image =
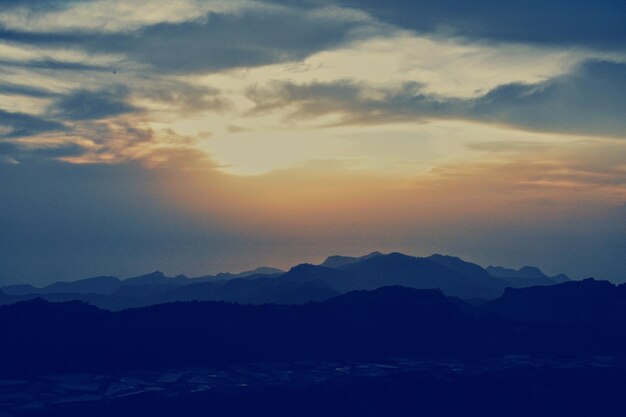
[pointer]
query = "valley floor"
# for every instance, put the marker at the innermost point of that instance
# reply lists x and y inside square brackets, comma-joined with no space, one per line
[504,386]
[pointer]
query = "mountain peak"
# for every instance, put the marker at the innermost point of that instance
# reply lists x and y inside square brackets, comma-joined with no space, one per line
[305,267]
[441,256]
[523,272]
[19,289]
[153,278]
[532,271]
[335,261]
[261,270]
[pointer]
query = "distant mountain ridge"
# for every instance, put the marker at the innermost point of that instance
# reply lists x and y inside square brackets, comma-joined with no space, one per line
[526,276]
[262,270]
[109,284]
[302,283]
[335,261]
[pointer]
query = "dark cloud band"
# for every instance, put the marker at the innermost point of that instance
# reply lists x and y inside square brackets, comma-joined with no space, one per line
[21,124]
[597,24]
[92,105]
[213,43]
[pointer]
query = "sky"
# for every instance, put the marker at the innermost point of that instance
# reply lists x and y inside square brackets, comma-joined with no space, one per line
[194,136]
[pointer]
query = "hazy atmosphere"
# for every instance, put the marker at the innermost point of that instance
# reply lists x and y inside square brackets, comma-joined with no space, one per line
[198,136]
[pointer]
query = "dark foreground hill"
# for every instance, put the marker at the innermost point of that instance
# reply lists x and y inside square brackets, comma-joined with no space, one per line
[575,303]
[48,337]
[42,337]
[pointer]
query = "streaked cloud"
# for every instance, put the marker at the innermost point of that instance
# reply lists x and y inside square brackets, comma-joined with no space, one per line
[210,42]
[20,124]
[109,16]
[25,90]
[588,101]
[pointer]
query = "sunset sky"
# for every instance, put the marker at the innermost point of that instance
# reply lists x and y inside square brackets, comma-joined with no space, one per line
[195,136]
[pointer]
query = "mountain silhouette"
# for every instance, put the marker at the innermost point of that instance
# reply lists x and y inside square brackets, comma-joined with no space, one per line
[459,264]
[262,270]
[574,318]
[96,285]
[20,289]
[156,278]
[335,261]
[586,302]
[253,290]
[409,271]
[301,284]
[527,276]
[80,337]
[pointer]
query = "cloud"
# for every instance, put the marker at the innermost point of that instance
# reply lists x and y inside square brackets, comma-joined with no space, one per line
[113,15]
[93,105]
[25,90]
[596,24]
[17,151]
[236,129]
[591,100]
[102,126]
[115,141]
[353,102]
[110,141]
[507,147]
[86,141]
[13,124]
[215,42]
[185,97]
[5,159]
[52,64]
[39,5]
